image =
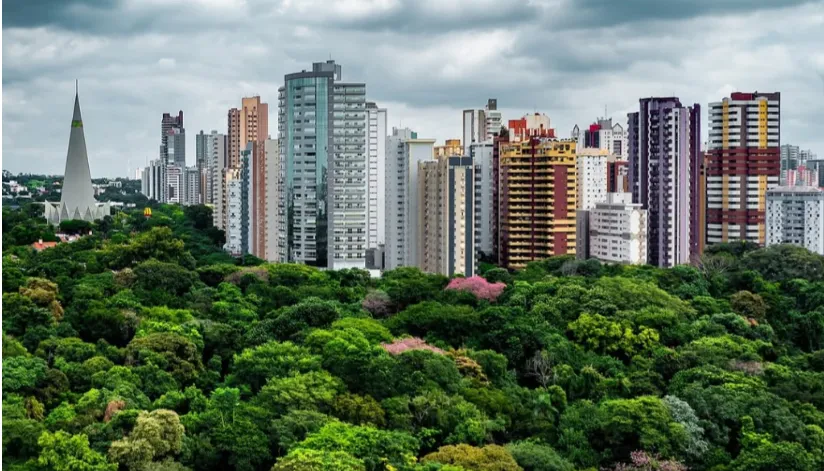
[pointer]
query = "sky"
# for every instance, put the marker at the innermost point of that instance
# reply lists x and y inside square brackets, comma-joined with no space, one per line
[423,60]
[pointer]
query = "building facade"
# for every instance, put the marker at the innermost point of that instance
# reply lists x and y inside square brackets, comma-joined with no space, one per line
[322,137]
[451,148]
[538,198]
[481,154]
[274,245]
[481,125]
[191,182]
[603,134]
[445,216]
[593,173]
[175,191]
[172,126]
[404,151]
[234,211]
[664,141]
[153,182]
[795,215]
[534,125]
[233,138]
[202,162]
[376,150]
[743,161]
[216,148]
[616,231]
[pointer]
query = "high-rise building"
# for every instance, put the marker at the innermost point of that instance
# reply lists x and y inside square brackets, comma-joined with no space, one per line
[176,147]
[603,135]
[593,172]
[817,165]
[615,231]
[169,123]
[233,138]
[793,157]
[481,154]
[803,175]
[664,142]
[233,200]
[323,142]
[274,245]
[154,180]
[254,128]
[77,195]
[191,180]
[795,215]
[743,161]
[249,203]
[175,191]
[617,176]
[531,125]
[445,216]
[202,162]
[376,150]
[538,197]
[481,125]
[216,147]
[451,148]
[403,152]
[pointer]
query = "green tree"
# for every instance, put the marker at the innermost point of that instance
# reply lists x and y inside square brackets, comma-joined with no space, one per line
[61,451]
[318,460]
[488,458]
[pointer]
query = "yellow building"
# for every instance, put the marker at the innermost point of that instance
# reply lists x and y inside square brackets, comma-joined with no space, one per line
[452,148]
[538,195]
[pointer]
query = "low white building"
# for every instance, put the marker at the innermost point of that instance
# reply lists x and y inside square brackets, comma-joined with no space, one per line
[592,176]
[615,231]
[795,215]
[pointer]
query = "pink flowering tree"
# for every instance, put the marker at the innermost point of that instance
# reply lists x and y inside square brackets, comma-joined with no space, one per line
[642,461]
[478,286]
[399,346]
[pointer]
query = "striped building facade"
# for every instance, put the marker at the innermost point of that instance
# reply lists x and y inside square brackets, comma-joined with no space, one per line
[743,161]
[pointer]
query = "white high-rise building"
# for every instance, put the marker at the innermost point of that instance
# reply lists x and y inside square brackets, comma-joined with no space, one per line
[175,185]
[403,152]
[376,150]
[191,182]
[274,203]
[592,176]
[153,180]
[215,190]
[481,125]
[616,231]
[795,215]
[603,135]
[234,211]
[481,154]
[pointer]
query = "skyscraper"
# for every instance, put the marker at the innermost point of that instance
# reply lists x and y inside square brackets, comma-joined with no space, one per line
[664,142]
[77,195]
[445,216]
[233,138]
[481,125]
[481,154]
[216,148]
[323,142]
[593,171]
[154,180]
[169,123]
[531,125]
[403,152]
[538,193]
[602,134]
[274,208]
[743,161]
[202,163]
[376,150]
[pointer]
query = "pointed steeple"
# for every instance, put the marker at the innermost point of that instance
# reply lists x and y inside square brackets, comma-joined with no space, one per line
[77,193]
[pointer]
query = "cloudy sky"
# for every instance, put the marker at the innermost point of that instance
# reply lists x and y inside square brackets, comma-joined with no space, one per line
[424,60]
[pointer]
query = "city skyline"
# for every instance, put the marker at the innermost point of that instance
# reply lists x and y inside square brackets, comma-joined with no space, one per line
[600,55]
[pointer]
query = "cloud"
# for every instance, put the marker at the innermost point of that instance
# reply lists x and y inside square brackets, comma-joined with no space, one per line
[424,60]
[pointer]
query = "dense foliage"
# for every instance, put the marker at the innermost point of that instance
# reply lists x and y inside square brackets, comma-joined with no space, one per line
[144,347]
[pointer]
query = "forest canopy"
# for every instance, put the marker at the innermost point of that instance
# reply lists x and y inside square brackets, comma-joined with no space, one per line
[143,346]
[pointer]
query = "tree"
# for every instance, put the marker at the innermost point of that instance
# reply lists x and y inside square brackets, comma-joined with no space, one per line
[315,390]
[64,452]
[377,448]
[156,435]
[534,456]
[254,366]
[478,286]
[488,458]
[749,305]
[318,460]
[605,336]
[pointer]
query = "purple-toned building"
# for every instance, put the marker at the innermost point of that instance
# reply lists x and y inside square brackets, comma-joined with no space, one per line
[664,144]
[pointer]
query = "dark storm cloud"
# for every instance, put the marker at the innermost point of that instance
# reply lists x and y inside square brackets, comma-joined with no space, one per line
[612,13]
[423,59]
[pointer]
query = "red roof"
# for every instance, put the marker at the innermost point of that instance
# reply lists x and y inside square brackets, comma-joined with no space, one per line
[38,246]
